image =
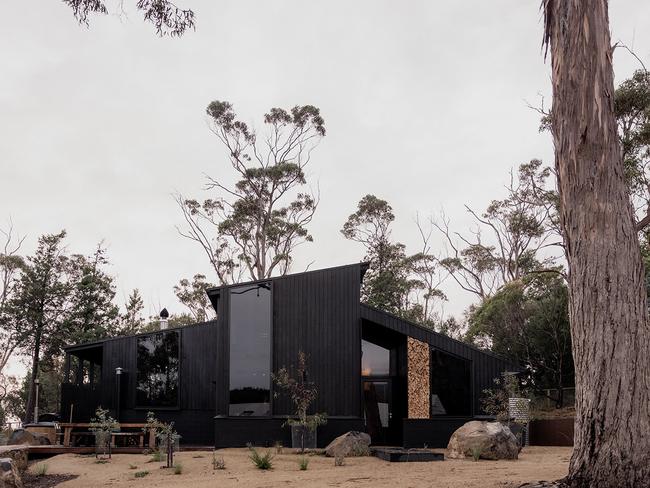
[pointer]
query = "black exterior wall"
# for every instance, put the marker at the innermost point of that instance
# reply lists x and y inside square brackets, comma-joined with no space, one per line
[485,366]
[317,312]
[239,431]
[433,433]
[193,418]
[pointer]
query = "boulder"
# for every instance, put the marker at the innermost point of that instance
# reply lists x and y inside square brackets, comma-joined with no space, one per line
[22,436]
[488,440]
[9,474]
[351,443]
[17,453]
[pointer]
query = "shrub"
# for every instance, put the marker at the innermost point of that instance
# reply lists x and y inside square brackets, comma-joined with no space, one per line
[303,463]
[141,474]
[476,452]
[165,434]
[278,447]
[133,466]
[302,393]
[261,461]
[218,461]
[41,469]
[156,456]
[339,460]
[178,468]
[101,461]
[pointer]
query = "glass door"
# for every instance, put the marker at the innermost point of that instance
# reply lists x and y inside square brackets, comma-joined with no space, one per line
[378,409]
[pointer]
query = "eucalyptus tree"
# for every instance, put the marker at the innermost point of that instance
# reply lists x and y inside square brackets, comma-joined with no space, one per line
[608,303]
[192,294]
[166,17]
[252,227]
[407,285]
[513,237]
[11,264]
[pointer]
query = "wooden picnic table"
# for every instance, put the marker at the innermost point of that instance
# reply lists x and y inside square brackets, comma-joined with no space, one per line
[69,427]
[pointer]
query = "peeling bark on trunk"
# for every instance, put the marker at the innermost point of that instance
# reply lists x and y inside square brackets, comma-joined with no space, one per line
[608,310]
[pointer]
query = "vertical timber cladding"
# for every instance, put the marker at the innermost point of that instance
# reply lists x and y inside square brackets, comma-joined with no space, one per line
[418,379]
[318,312]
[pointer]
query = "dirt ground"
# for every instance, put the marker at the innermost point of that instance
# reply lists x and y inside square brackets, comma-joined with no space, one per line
[535,463]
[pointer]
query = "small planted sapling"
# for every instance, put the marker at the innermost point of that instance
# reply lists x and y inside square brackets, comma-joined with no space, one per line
[103,426]
[165,434]
[303,393]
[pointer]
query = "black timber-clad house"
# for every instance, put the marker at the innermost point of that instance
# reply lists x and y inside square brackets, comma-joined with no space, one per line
[400,382]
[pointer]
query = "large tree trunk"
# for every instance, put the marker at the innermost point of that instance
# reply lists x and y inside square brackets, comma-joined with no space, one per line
[608,310]
[36,360]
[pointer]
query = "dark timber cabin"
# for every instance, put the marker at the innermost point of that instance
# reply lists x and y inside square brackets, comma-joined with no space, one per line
[402,383]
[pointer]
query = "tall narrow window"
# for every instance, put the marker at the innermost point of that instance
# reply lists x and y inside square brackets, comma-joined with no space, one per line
[158,370]
[250,350]
[451,385]
[375,360]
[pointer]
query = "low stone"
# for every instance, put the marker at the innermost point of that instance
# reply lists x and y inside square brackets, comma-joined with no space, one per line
[487,440]
[17,453]
[351,443]
[9,474]
[24,437]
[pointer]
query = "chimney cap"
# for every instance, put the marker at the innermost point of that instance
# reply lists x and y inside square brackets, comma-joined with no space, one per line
[164,314]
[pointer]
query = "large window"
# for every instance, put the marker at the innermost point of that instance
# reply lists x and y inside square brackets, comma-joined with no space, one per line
[375,360]
[158,362]
[451,385]
[250,350]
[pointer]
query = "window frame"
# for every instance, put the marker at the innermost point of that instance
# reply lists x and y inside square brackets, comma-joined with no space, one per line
[254,284]
[470,363]
[177,331]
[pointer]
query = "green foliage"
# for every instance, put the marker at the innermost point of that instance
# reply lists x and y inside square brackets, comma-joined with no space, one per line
[92,314]
[217,461]
[141,474]
[303,393]
[261,461]
[192,294]
[102,422]
[303,463]
[156,456]
[41,469]
[528,321]
[167,18]
[495,401]
[395,282]
[252,227]
[133,466]
[132,321]
[517,227]
[165,434]
[339,460]
[476,453]
[178,467]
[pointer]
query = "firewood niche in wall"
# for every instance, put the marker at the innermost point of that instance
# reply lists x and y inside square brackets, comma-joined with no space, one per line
[418,379]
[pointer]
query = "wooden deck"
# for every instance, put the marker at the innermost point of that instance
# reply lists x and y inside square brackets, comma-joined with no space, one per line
[59,449]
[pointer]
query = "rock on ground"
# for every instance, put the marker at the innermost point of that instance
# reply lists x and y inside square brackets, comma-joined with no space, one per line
[17,453]
[489,440]
[9,474]
[351,443]
[22,436]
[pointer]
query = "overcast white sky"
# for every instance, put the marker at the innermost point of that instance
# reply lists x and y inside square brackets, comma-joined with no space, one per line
[424,102]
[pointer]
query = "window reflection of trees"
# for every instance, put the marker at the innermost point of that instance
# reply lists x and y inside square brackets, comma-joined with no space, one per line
[158,370]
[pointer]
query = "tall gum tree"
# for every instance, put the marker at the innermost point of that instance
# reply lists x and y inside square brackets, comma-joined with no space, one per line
[608,309]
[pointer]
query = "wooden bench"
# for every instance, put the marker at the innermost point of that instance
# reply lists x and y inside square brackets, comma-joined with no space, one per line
[68,433]
[126,436]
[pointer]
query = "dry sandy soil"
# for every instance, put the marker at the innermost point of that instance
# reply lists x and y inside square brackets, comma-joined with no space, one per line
[535,463]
